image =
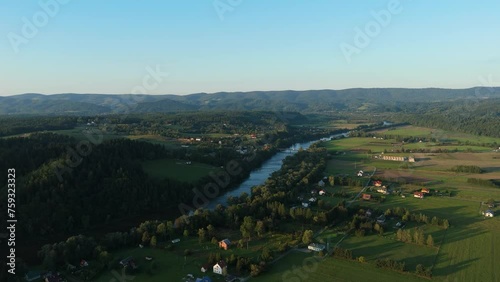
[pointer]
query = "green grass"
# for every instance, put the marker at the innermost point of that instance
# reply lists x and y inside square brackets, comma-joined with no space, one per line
[177,169]
[439,134]
[303,267]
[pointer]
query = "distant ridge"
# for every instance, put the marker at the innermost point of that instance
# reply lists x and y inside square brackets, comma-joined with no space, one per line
[358,99]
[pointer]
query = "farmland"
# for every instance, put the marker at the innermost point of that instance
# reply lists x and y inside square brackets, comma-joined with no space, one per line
[464,252]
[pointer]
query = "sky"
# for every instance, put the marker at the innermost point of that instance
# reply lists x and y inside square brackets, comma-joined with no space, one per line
[192,46]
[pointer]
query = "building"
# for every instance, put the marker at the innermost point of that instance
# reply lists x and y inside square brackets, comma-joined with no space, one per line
[322,192]
[321,183]
[220,268]
[394,158]
[316,247]
[305,205]
[383,190]
[129,262]
[225,244]
[366,197]
[425,190]
[377,183]
[205,267]
[411,159]
[418,195]
[176,241]
[488,213]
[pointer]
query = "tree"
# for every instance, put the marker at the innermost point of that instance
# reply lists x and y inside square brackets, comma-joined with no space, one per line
[201,235]
[259,228]
[331,180]
[211,230]
[446,224]
[247,228]
[153,241]
[185,233]
[145,237]
[430,241]
[307,237]
[161,230]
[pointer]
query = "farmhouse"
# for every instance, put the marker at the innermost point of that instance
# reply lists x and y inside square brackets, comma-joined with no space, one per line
[411,159]
[383,190]
[224,244]
[425,190]
[366,196]
[205,267]
[418,195]
[322,192]
[394,158]
[220,268]
[129,262]
[377,183]
[316,247]
[488,213]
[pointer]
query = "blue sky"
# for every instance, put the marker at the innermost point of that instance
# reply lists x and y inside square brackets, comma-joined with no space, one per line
[96,46]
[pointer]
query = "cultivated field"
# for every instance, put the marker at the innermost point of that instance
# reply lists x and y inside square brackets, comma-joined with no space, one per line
[468,250]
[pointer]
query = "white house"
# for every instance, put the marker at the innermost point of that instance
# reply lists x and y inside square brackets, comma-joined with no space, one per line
[322,192]
[220,268]
[316,247]
[305,205]
[488,213]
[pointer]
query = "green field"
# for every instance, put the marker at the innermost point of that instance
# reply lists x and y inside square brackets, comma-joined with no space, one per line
[468,250]
[177,169]
[443,135]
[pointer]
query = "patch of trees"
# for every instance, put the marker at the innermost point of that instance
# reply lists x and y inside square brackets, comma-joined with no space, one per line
[423,271]
[390,264]
[483,182]
[10,125]
[339,252]
[466,169]
[417,237]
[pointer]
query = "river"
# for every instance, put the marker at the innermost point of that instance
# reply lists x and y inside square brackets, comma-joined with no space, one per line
[259,175]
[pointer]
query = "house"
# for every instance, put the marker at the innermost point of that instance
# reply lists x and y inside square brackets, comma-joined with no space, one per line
[224,244]
[381,219]
[425,190]
[360,173]
[32,276]
[411,159]
[321,183]
[488,213]
[418,195]
[205,267]
[129,262]
[84,263]
[366,196]
[220,268]
[394,158]
[176,241]
[377,183]
[322,192]
[305,205]
[383,190]
[316,247]
[368,213]
[312,200]
[204,279]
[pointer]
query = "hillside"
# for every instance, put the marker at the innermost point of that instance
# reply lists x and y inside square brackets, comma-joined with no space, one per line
[356,99]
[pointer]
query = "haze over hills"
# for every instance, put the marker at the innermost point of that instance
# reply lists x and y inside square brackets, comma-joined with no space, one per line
[303,101]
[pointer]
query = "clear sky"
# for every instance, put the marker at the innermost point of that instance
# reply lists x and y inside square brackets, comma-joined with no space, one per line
[96,46]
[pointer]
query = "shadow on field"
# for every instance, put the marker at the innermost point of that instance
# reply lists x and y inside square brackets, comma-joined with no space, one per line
[452,268]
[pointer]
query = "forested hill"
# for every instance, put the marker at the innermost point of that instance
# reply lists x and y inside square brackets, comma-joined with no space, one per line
[356,99]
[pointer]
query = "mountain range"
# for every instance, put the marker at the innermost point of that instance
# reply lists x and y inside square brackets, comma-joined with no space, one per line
[355,99]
